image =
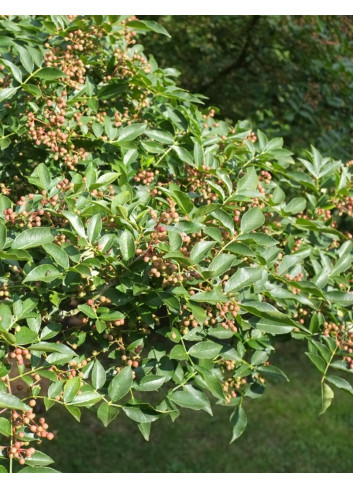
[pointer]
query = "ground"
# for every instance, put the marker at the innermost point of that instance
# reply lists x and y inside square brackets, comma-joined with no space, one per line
[284,434]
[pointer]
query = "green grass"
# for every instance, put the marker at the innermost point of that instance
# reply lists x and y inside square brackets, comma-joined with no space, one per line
[284,434]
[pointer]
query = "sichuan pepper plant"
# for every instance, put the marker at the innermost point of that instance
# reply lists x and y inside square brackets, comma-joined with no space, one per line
[151,256]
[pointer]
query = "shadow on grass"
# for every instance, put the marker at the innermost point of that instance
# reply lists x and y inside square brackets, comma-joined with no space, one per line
[284,434]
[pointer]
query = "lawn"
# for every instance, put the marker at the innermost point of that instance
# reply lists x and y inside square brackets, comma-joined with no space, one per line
[284,434]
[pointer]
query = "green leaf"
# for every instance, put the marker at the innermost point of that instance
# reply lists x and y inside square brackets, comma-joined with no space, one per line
[105,179]
[94,228]
[267,311]
[112,90]
[292,260]
[6,93]
[183,154]
[278,196]
[183,201]
[75,222]
[212,296]
[326,397]
[150,383]
[59,358]
[142,413]
[273,372]
[198,153]
[5,427]
[71,388]
[249,182]
[205,349]
[12,402]
[37,470]
[31,238]
[19,255]
[107,413]
[175,240]
[129,133]
[5,203]
[98,375]
[127,245]
[340,383]
[49,74]
[295,206]
[121,384]
[271,327]
[42,273]
[212,383]
[342,264]
[3,234]
[220,333]
[225,219]
[87,398]
[55,389]
[36,55]
[317,361]
[58,254]
[344,299]
[252,219]
[44,176]
[50,331]
[6,316]
[39,459]
[15,70]
[145,429]
[111,316]
[243,277]
[25,336]
[74,411]
[163,137]
[198,312]
[220,264]
[191,398]
[200,250]
[239,421]
[148,25]
[87,310]
[25,58]
[51,347]
[178,353]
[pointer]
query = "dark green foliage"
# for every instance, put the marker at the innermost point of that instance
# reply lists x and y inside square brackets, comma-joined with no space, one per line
[290,75]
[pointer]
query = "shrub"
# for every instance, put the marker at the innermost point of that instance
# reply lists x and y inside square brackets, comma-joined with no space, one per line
[151,256]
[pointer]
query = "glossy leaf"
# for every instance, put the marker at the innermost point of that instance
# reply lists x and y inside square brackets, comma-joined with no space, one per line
[239,421]
[98,375]
[120,385]
[31,238]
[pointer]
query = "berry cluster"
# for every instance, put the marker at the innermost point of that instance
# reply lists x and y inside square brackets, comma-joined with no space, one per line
[145,177]
[265,176]
[4,190]
[22,422]
[20,355]
[232,385]
[197,182]
[345,206]
[325,213]
[4,293]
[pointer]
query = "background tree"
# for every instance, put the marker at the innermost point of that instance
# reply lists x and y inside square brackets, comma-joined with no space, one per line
[290,75]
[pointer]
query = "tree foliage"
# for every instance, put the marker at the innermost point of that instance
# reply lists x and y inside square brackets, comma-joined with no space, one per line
[151,255]
[290,75]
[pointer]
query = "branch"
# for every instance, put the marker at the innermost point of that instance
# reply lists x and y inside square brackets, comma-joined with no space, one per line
[238,62]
